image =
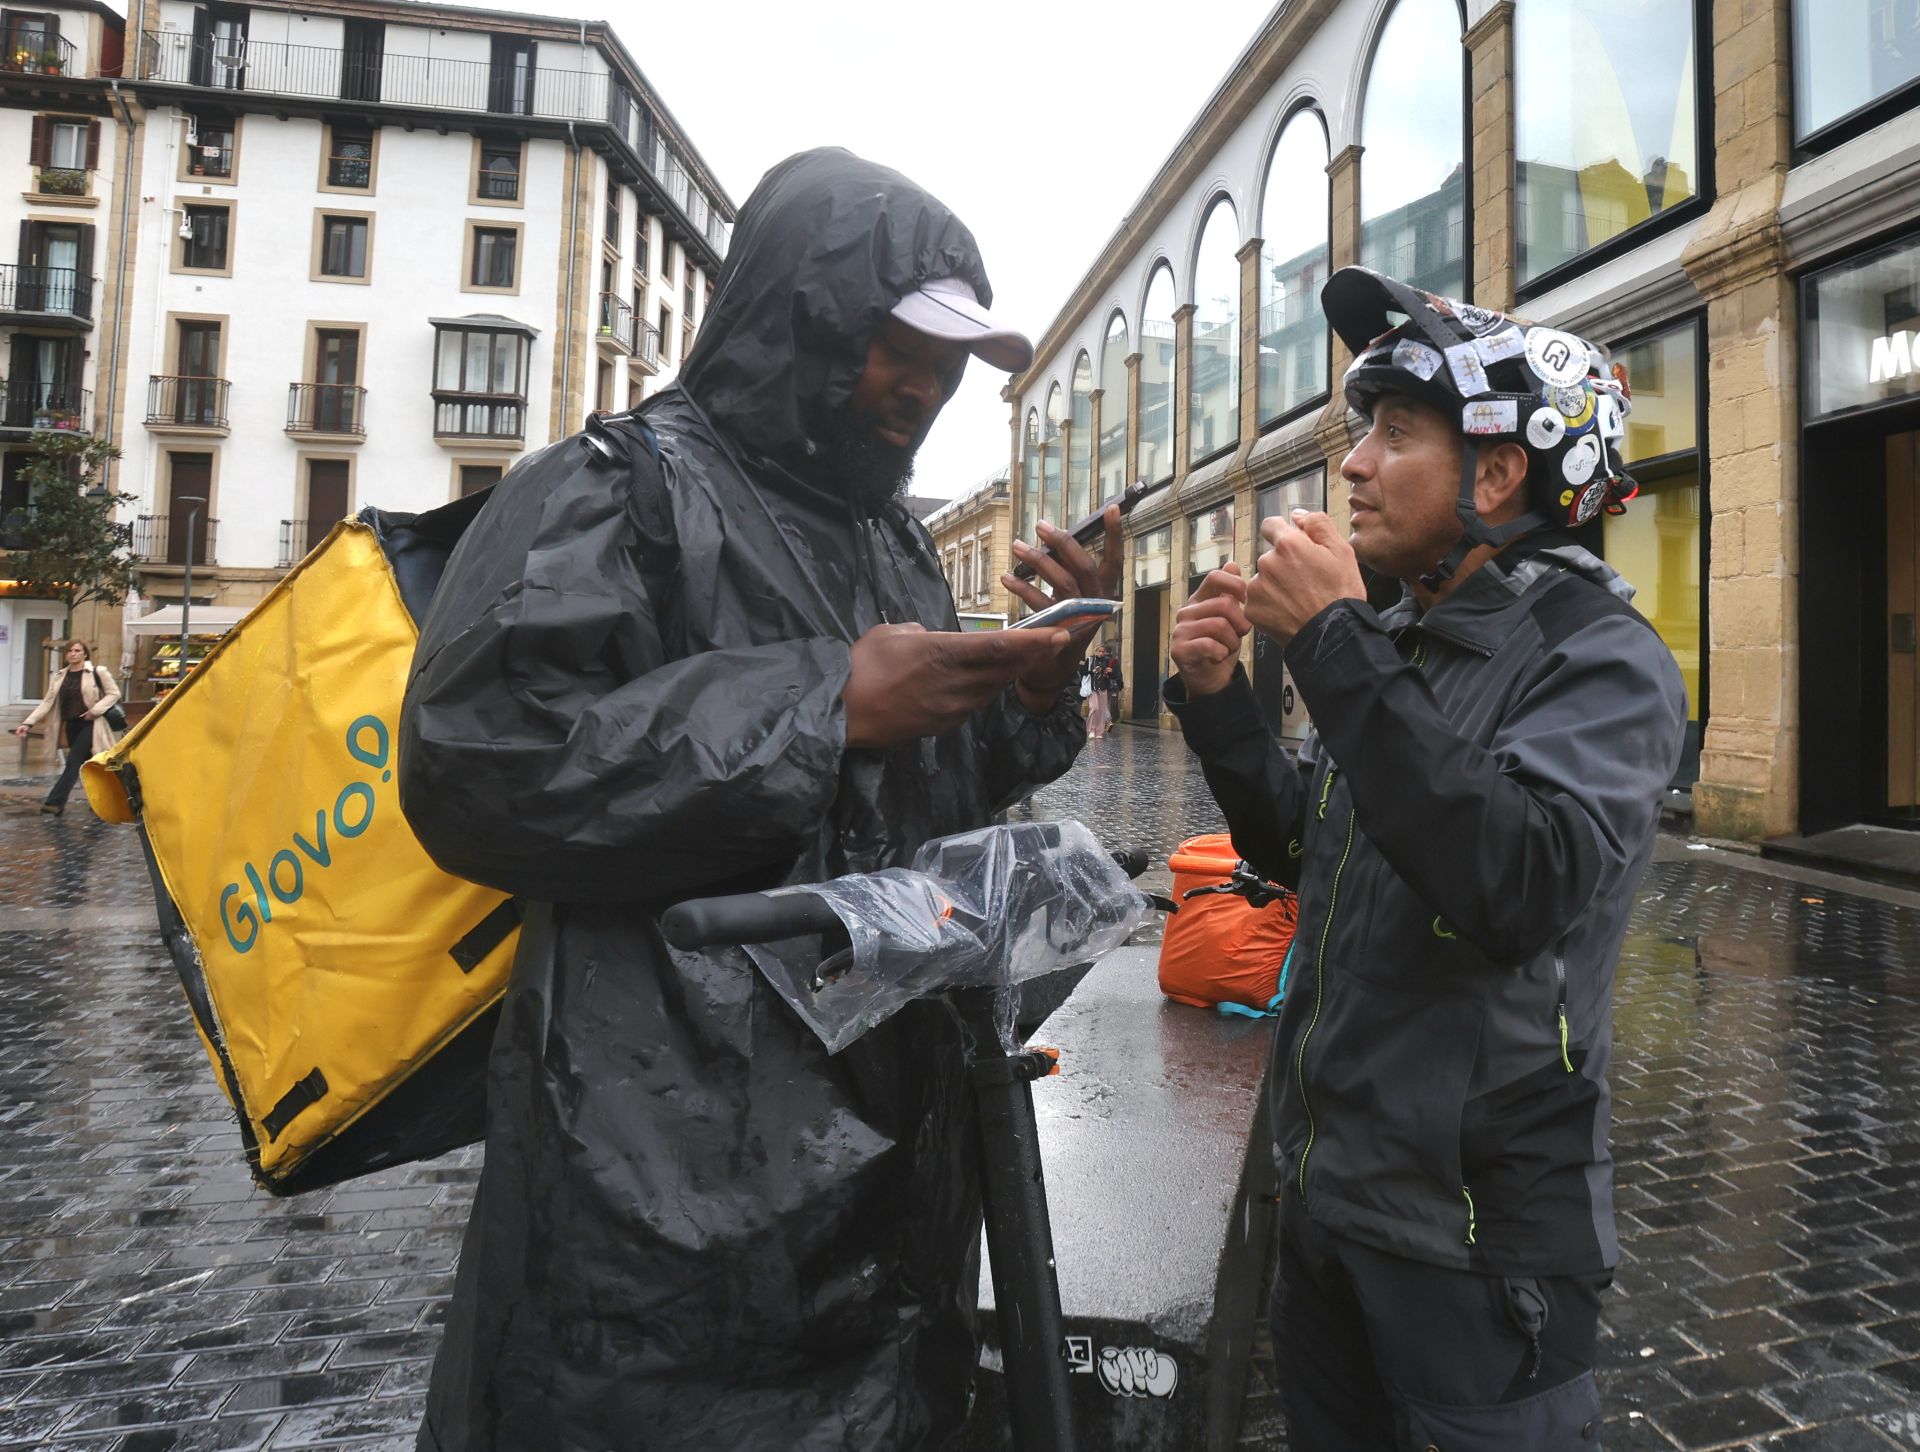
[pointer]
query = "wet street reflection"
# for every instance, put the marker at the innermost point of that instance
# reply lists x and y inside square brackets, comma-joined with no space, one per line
[1767,1129]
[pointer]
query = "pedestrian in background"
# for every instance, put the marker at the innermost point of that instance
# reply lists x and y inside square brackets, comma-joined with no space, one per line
[1102,681]
[83,693]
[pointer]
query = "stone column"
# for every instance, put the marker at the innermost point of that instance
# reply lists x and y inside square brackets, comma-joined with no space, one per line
[1093,446]
[1183,388]
[1495,220]
[1249,258]
[1749,784]
[1133,414]
[1016,481]
[1333,429]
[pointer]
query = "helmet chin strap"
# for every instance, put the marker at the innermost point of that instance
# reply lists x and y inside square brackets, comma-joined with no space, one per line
[1475,531]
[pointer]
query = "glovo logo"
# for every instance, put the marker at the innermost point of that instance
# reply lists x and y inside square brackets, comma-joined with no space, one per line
[285,879]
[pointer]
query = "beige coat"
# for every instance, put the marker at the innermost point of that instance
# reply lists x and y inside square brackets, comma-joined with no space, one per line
[98,693]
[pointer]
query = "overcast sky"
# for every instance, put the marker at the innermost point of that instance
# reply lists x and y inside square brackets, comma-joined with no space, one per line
[1039,122]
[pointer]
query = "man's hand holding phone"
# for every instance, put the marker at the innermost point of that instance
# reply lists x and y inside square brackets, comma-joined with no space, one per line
[1207,632]
[1070,572]
[908,681]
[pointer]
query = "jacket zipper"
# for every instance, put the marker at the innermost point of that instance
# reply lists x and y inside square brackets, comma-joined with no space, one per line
[1319,987]
[1560,1007]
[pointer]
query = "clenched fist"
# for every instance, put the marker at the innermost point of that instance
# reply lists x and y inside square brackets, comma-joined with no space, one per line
[1208,630]
[1306,568]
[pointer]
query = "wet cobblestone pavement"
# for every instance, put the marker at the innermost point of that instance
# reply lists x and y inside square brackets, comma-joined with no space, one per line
[1767,1128]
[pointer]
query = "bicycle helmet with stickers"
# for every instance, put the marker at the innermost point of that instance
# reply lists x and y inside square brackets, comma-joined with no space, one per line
[1552,393]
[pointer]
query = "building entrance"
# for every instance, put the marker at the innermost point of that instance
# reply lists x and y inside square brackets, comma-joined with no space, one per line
[1903,611]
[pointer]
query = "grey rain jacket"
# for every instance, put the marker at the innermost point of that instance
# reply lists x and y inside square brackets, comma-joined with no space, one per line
[1467,825]
[694,1228]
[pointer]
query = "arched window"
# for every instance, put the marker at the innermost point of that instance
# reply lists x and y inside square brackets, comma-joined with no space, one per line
[1413,191]
[1295,253]
[1050,495]
[1113,410]
[1080,442]
[1215,421]
[1030,474]
[1158,377]
[1604,130]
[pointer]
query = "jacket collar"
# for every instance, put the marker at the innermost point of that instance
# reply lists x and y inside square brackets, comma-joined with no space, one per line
[1489,604]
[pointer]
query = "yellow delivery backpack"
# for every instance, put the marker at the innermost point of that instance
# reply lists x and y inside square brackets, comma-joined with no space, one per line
[345,988]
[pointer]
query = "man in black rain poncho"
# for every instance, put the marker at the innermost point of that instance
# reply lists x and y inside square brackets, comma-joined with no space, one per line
[645,682]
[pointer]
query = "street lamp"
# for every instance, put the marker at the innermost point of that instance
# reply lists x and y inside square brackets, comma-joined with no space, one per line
[186,580]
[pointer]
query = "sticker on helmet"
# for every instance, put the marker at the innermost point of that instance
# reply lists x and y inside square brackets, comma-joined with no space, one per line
[1581,460]
[1491,416]
[1546,428]
[1559,358]
[1478,320]
[1575,406]
[1498,347]
[1607,411]
[1412,356]
[1469,373]
[1566,498]
[1591,498]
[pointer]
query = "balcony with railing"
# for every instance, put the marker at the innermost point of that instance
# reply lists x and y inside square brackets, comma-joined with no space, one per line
[646,347]
[181,404]
[50,296]
[335,411]
[297,536]
[162,540]
[32,405]
[615,333]
[496,418]
[28,52]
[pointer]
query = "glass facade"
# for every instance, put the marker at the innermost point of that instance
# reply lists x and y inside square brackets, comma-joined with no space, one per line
[1656,544]
[1113,410]
[1214,421]
[1209,540]
[1284,711]
[1294,260]
[1413,195]
[1862,340]
[1153,557]
[1848,54]
[1606,133]
[1158,378]
[1080,443]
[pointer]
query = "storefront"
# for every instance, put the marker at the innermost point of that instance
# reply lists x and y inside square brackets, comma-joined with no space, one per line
[1151,622]
[1860,540]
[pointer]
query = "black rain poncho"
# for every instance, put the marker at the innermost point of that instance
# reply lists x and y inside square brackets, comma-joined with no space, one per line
[695,1229]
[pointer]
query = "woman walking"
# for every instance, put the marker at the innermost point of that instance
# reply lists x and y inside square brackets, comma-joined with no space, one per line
[1103,680]
[82,693]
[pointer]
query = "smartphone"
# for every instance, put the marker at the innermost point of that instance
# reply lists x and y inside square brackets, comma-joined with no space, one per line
[1070,614]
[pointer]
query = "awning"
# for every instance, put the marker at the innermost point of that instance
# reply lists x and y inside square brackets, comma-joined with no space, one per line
[202,620]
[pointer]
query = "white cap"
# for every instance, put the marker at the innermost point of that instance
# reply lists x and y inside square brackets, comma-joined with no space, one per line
[948,307]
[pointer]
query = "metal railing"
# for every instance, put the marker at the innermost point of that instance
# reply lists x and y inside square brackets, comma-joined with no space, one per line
[297,536]
[617,321]
[349,171]
[647,347]
[154,543]
[33,403]
[499,186]
[326,408]
[25,53]
[58,290]
[187,401]
[478,415]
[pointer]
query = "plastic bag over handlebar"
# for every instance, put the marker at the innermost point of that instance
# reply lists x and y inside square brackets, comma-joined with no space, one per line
[988,908]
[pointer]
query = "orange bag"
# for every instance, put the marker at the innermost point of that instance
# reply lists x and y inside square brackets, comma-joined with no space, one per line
[1219,949]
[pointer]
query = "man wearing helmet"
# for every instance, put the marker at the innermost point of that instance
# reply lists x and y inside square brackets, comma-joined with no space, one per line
[1466,826]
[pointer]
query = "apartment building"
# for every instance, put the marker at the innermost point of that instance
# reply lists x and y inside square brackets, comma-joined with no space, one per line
[1723,194]
[63,142]
[973,538]
[373,253]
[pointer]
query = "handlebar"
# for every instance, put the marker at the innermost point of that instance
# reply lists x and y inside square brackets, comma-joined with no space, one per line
[746,917]
[759,917]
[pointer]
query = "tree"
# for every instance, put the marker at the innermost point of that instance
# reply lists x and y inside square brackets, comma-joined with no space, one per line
[69,548]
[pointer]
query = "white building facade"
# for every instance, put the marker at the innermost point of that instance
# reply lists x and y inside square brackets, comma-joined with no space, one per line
[379,253]
[64,135]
